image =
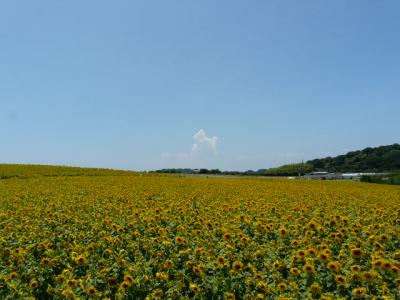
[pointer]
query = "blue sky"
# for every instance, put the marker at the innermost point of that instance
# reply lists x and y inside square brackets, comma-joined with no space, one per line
[234,85]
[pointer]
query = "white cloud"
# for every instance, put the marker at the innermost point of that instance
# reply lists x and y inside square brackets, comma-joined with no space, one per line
[203,149]
[204,143]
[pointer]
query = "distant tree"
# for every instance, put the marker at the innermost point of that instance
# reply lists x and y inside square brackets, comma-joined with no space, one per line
[290,170]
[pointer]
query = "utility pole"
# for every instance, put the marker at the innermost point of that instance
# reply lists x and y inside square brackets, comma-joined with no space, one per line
[301,168]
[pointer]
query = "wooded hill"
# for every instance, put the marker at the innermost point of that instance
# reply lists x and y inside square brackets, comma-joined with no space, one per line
[378,159]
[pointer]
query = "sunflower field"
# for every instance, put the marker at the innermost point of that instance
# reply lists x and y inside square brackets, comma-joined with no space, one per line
[144,236]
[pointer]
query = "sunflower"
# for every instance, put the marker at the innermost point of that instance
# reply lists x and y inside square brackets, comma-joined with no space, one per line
[359,292]
[340,279]
[180,240]
[378,246]
[112,280]
[71,282]
[237,266]
[397,282]
[91,291]
[302,253]
[324,256]
[262,285]
[356,253]
[282,286]
[68,293]
[315,288]
[80,260]
[311,251]
[309,269]
[229,296]
[283,231]
[278,265]
[220,260]
[333,266]
[384,237]
[158,293]
[355,268]
[368,276]
[356,277]
[295,271]
[386,265]
[377,263]
[194,288]
[395,270]
[160,275]
[45,262]
[227,236]
[169,264]
[124,285]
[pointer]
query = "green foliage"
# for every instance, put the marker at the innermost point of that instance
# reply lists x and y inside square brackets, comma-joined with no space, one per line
[290,170]
[378,159]
[212,171]
[174,171]
[386,179]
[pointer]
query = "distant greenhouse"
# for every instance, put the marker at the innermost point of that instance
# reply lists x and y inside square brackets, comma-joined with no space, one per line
[323,175]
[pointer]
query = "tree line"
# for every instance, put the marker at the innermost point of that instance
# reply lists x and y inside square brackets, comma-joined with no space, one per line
[378,159]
